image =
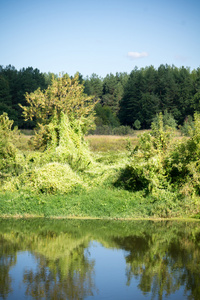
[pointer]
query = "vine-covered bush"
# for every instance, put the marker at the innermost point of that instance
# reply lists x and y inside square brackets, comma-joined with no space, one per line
[159,163]
[64,114]
[146,168]
[183,162]
[62,141]
[11,160]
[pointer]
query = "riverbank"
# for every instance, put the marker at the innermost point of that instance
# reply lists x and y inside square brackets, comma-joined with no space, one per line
[96,203]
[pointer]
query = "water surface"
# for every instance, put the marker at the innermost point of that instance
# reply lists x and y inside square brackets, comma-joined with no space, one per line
[94,259]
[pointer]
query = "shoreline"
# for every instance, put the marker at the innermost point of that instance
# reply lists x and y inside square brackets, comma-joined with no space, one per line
[31,216]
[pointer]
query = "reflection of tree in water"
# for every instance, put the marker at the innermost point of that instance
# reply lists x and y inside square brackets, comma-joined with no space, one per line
[65,278]
[163,256]
[63,270]
[7,260]
[163,264]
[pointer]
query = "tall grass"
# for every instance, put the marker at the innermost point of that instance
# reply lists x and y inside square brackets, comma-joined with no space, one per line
[104,143]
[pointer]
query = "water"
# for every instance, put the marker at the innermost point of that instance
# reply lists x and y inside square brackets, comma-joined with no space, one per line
[94,259]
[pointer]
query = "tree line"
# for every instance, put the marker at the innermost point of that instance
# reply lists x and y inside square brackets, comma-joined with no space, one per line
[123,99]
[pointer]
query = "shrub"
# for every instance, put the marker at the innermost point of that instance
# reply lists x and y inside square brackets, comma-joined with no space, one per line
[167,119]
[62,141]
[11,160]
[183,162]
[52,178]
[146,169]
[123,130]
[188,126]
[137,124]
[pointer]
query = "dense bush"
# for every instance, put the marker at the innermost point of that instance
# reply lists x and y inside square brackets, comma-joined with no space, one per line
[188,126]
[146,168]
[11,160]
[158,164]
[51,178]
[183,162]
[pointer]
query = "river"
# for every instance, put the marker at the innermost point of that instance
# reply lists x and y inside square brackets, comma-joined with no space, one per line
[99,259]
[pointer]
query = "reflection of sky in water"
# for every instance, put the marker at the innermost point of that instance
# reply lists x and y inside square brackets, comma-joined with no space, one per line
[25,261]
[110,276]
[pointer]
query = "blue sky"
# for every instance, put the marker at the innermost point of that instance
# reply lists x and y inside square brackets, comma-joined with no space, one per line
[99,36]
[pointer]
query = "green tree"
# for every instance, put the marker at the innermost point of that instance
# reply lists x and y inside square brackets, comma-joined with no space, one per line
[93,86]
[113,89]
[183,94]
[130,104]
[64,95]
[105,116]
[149,107]
[19,82]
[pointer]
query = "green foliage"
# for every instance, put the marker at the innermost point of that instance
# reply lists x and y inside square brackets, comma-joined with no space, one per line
[146,170]
[157,164]
[183,162]
[123,130]
[149,91]
[164,176]
[108,130]
[13,86]
[93,86]
[188,126]
[52,178]
[137,96]
[11,161]
[59,136]
[163,128]
[50,171]
[168,120]
[105,116]
[137,124]
[64,95]
[63,141]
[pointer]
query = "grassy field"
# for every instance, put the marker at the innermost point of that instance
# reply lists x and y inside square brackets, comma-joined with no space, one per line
[104,143]
[97,143]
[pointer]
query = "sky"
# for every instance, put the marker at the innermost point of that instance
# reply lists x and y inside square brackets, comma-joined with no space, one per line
[99,36]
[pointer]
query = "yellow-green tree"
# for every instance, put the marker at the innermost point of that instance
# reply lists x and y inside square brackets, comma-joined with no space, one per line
[64,95]
[63,114]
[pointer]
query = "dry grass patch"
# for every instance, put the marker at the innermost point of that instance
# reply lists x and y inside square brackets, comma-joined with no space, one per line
[105,143]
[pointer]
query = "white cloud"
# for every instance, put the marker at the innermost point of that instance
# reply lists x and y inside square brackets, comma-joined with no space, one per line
[136,55]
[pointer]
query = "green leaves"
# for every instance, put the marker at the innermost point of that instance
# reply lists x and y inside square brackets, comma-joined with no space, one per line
[64,95]
[11,162]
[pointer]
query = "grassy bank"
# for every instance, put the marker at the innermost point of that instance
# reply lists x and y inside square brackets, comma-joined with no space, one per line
[98,202]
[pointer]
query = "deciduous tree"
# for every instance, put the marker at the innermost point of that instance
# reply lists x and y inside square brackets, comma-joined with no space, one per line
[64,95]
